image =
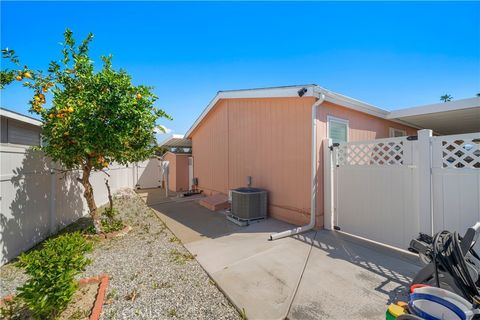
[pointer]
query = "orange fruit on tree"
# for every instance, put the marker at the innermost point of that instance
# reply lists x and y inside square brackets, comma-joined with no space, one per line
[27,75]
[19,78]
[45,89]
[37,98]
[139,96]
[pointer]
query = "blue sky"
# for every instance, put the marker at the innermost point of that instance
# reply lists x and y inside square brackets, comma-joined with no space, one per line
[392,55]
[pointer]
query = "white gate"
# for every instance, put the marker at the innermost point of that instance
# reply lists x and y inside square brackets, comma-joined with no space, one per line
[389,190]
[148,174]
[456,181]
[375,192]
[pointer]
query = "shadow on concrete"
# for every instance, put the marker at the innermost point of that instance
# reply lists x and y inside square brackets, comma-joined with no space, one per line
[341,272]
[189,217]
[396,269]
[153,196]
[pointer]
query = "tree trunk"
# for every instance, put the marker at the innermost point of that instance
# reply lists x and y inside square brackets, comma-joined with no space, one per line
[110,199]
[88,194]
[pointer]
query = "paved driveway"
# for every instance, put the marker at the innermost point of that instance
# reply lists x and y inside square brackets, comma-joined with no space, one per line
[316,275]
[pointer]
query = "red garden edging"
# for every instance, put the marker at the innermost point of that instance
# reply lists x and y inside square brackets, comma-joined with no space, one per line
[102,288]
[6,299]
[99,300]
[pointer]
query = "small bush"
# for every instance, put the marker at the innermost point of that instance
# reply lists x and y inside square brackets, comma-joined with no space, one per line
[108,225]
[110,213]
[52,270]
[111,225]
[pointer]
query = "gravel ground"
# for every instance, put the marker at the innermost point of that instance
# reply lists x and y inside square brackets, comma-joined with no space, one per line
[152,275]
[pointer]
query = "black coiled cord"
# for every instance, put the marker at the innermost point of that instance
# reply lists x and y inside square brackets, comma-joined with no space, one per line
[448,255]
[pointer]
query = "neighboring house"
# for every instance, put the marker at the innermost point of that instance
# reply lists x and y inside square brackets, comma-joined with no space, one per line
[267,134]
[19,129]
[179,159]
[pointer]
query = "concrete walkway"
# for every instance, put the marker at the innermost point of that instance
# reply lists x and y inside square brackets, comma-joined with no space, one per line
[316,275]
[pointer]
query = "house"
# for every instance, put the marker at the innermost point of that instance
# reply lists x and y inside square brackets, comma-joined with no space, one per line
[268,134]
[19,129]
[179,161]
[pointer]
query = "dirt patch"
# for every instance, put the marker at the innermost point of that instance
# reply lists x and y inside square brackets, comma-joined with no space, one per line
[79,308]
[82,303]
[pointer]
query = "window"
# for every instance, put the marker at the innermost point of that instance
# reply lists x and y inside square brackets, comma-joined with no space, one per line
[397,133]
[337,129]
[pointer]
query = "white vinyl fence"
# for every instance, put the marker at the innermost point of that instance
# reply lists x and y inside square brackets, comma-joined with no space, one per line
[455,181]
[37,201]
[389,190]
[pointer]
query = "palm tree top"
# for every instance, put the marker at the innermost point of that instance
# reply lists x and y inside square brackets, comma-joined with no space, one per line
[446,98]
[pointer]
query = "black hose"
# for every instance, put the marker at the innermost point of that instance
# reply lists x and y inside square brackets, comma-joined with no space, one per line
[448,255]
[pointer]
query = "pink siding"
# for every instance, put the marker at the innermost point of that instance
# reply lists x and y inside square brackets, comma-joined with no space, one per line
[269,139]
[178,171]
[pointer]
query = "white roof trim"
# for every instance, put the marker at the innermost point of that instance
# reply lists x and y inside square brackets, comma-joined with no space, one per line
[291,91]
[172,137]
[20,117]
[436,108]
[352,103]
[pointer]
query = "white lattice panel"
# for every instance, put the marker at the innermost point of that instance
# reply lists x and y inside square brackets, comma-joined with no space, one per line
[461,153]
[381,152]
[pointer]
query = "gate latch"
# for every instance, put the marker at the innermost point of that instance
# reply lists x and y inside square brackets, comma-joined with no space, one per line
[334,145]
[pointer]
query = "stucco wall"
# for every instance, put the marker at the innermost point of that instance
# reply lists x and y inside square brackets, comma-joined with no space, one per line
[269,139]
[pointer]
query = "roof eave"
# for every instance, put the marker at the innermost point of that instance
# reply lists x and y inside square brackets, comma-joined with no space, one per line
[19,117]
[435,108]
[291,91]
[276,92]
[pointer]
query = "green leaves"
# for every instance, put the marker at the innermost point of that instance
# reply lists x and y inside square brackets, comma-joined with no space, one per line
[112,119]
[51,272]
[10,55]
[91,117]
[7,76]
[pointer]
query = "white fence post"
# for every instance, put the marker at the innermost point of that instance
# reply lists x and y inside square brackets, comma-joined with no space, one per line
[328,185]
[53,198]
[424,181]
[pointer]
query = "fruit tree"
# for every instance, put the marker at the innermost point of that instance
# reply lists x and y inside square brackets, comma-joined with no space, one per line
[96,116]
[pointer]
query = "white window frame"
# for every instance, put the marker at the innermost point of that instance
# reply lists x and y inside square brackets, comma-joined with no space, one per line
[392,131]
[338,120]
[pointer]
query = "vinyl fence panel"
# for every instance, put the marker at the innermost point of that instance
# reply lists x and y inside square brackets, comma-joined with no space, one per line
[37,201]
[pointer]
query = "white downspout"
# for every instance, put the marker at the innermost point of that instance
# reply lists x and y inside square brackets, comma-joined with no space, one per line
[313,196]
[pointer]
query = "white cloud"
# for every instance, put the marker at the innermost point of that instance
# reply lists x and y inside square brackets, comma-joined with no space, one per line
[161,129]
